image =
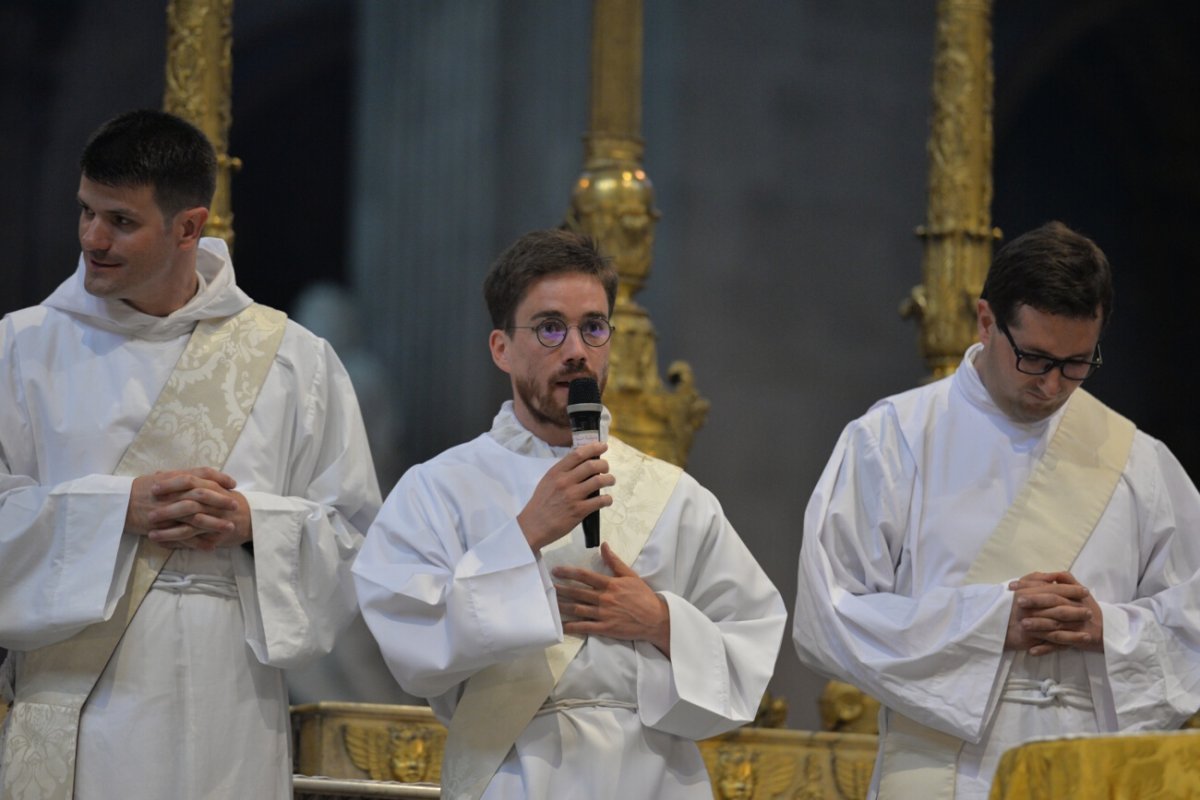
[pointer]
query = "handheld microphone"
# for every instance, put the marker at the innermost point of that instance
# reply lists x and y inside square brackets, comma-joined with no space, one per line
[583,408]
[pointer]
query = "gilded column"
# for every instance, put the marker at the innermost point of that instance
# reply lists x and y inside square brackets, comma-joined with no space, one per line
[200,88]
[958,232]
[613,201]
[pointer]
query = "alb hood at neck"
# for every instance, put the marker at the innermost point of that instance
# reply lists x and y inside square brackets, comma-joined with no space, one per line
[217,296]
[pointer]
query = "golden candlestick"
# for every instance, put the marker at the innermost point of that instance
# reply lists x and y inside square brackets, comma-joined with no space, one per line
[958,232]
[200,89]
[613,201]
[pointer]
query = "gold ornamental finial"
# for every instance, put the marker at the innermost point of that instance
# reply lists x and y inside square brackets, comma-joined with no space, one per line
[613,201]
[958,232]
[200,89]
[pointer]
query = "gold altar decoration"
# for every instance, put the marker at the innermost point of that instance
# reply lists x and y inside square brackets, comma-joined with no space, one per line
[613,201]
[199,89]
[368,741]
[363,741]
[1147,766]
[845,708]
[958,234]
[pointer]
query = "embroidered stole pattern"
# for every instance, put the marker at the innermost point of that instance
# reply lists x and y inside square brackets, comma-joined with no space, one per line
[195,422]
[499,701]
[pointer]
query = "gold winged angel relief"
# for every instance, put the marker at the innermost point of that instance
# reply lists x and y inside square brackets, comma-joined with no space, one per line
[410,754]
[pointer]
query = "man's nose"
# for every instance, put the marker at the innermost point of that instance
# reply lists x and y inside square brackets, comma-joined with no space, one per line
[94,234]
[573,346]
[1052,381]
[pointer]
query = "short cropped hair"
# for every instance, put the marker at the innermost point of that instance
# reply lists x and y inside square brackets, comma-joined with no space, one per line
[155,149]
[1052,269]
[536,255]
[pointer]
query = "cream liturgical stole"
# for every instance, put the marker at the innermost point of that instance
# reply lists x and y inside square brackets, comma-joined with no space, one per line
[195,422]
[1044,529]
[499,701]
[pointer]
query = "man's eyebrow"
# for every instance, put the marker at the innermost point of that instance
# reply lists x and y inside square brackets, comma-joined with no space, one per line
[1081,356]
[116,212]
[552,314]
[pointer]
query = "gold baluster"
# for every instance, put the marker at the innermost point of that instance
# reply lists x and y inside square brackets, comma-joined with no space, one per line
[958,232]
[613,201]
[200,88]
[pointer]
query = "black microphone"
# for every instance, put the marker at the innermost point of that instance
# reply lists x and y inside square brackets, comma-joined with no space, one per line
[583,407]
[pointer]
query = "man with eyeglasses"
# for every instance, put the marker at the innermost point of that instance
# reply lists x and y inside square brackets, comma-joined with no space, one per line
[564,671]
[998,556]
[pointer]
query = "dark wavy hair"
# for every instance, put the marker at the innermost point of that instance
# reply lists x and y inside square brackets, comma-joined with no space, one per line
[1054,270]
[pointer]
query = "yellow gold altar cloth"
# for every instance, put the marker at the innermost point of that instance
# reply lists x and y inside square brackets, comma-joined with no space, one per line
[1144,766]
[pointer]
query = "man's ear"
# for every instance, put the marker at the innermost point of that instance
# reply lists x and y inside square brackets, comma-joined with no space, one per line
[498,343]
[189,225]
[985,320]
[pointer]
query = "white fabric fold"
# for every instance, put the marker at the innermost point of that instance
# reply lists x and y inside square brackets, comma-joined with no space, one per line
[78,375]
[910,493]
[449,517]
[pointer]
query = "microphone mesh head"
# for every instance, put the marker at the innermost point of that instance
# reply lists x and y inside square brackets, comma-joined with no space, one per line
[583,390]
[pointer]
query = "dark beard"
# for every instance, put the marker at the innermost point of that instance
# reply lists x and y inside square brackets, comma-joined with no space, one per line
[541,403]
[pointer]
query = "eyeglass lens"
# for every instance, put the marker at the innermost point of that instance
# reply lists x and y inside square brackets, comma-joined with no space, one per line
[553,332]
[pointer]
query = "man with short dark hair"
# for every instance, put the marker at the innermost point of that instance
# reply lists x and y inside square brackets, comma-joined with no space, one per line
[184,478]
[997,556]
[563,671]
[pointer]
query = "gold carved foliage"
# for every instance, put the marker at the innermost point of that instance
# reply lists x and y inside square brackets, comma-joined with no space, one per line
[405,753]
[199,78]
[960,142]
[199,88]
[957,236]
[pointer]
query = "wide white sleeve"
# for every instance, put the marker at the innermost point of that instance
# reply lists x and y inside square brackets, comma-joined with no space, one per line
[932,653]
[727,624]
[296,592]
[63,560]
[1152,642]
[440,608]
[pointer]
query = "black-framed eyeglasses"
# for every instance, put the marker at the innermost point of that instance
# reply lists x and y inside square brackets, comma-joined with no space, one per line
[552,331]
[1073,369]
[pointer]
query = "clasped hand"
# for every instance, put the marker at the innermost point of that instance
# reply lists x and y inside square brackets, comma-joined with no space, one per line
[620,606]
[193,509]
[1053,611]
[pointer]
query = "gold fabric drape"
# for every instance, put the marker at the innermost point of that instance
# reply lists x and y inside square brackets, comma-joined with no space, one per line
[1148,766]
